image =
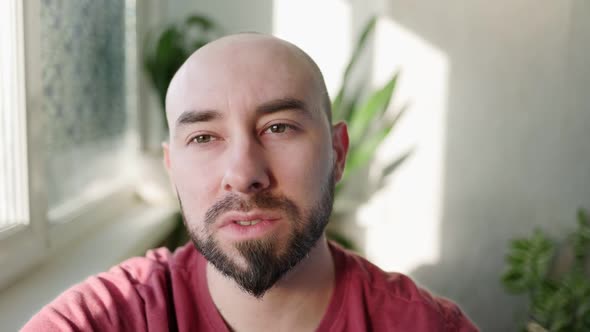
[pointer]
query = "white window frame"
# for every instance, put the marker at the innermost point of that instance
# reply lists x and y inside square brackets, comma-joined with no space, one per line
[25,246]
[26,240]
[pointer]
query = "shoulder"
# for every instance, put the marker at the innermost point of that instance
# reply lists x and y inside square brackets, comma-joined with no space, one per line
[126,297]
[392,298]
[141,270]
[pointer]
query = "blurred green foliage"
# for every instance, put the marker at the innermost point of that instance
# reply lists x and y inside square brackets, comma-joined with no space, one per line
[164,55]
[558,300]
[369,123]
[368,120]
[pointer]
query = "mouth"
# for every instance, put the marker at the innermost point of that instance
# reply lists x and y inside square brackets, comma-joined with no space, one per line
[240,226]
[246,219]
[247,222]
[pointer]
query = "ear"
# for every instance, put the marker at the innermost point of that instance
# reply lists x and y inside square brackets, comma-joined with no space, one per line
[166,162]
[166,159]
[340,147]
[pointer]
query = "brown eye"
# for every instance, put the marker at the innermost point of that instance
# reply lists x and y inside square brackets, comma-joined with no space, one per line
[202,139]
[278,128]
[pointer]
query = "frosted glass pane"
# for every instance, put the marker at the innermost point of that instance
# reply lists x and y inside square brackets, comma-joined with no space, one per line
[83,79]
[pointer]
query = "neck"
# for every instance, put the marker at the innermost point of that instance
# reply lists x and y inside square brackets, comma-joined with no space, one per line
[296,302]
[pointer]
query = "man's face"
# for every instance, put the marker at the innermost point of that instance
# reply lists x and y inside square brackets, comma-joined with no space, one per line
[252,158]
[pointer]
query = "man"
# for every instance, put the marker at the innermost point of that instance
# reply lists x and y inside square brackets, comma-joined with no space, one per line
[253,158]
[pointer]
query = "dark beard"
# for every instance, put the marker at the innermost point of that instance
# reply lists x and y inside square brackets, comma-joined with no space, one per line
[264,265]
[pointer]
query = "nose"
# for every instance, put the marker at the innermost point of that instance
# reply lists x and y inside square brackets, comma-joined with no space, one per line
[247,169]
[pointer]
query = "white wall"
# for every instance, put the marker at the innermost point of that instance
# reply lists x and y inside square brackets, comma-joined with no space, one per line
[499,126]
[234,16]
[515,143]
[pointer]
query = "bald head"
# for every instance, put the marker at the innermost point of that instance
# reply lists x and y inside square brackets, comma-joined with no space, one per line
[240,68]
[250,137]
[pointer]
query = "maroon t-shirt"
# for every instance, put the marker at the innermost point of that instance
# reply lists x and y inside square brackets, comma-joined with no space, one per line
[168,292]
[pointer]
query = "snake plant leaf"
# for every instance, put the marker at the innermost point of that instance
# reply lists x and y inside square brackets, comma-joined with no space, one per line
[373,109]
[359,48]
[360,45]
[361,155]
[337,106]
[392,166]
[378,125]
[350,105]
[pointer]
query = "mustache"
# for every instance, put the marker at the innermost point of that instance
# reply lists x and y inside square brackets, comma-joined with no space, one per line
[263,200]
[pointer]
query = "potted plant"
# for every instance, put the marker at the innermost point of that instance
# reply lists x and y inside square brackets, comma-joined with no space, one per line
[555,276]
[368,123]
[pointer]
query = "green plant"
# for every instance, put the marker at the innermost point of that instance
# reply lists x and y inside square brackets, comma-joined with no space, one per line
[368,122]
[558,288]
[164,56]
[367,119]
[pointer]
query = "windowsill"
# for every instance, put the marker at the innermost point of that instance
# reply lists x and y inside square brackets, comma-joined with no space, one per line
[139,229]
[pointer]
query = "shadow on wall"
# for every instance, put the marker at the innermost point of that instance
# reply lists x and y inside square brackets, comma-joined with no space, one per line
[516,153]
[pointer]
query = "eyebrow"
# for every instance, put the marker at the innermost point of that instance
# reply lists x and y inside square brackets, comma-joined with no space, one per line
[282,104]
[193,116]
[273,106]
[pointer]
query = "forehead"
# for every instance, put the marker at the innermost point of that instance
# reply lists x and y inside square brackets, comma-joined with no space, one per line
[238,77]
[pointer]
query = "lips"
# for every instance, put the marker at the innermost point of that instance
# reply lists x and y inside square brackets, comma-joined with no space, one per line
[235,226]
[246,219]
[248,223]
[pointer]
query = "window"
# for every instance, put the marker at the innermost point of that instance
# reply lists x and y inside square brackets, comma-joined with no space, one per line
[67,137]
[88,146]
[14,209]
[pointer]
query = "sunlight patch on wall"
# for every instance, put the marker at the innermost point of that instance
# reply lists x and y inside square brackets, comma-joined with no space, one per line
[402,220]
[322,29]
